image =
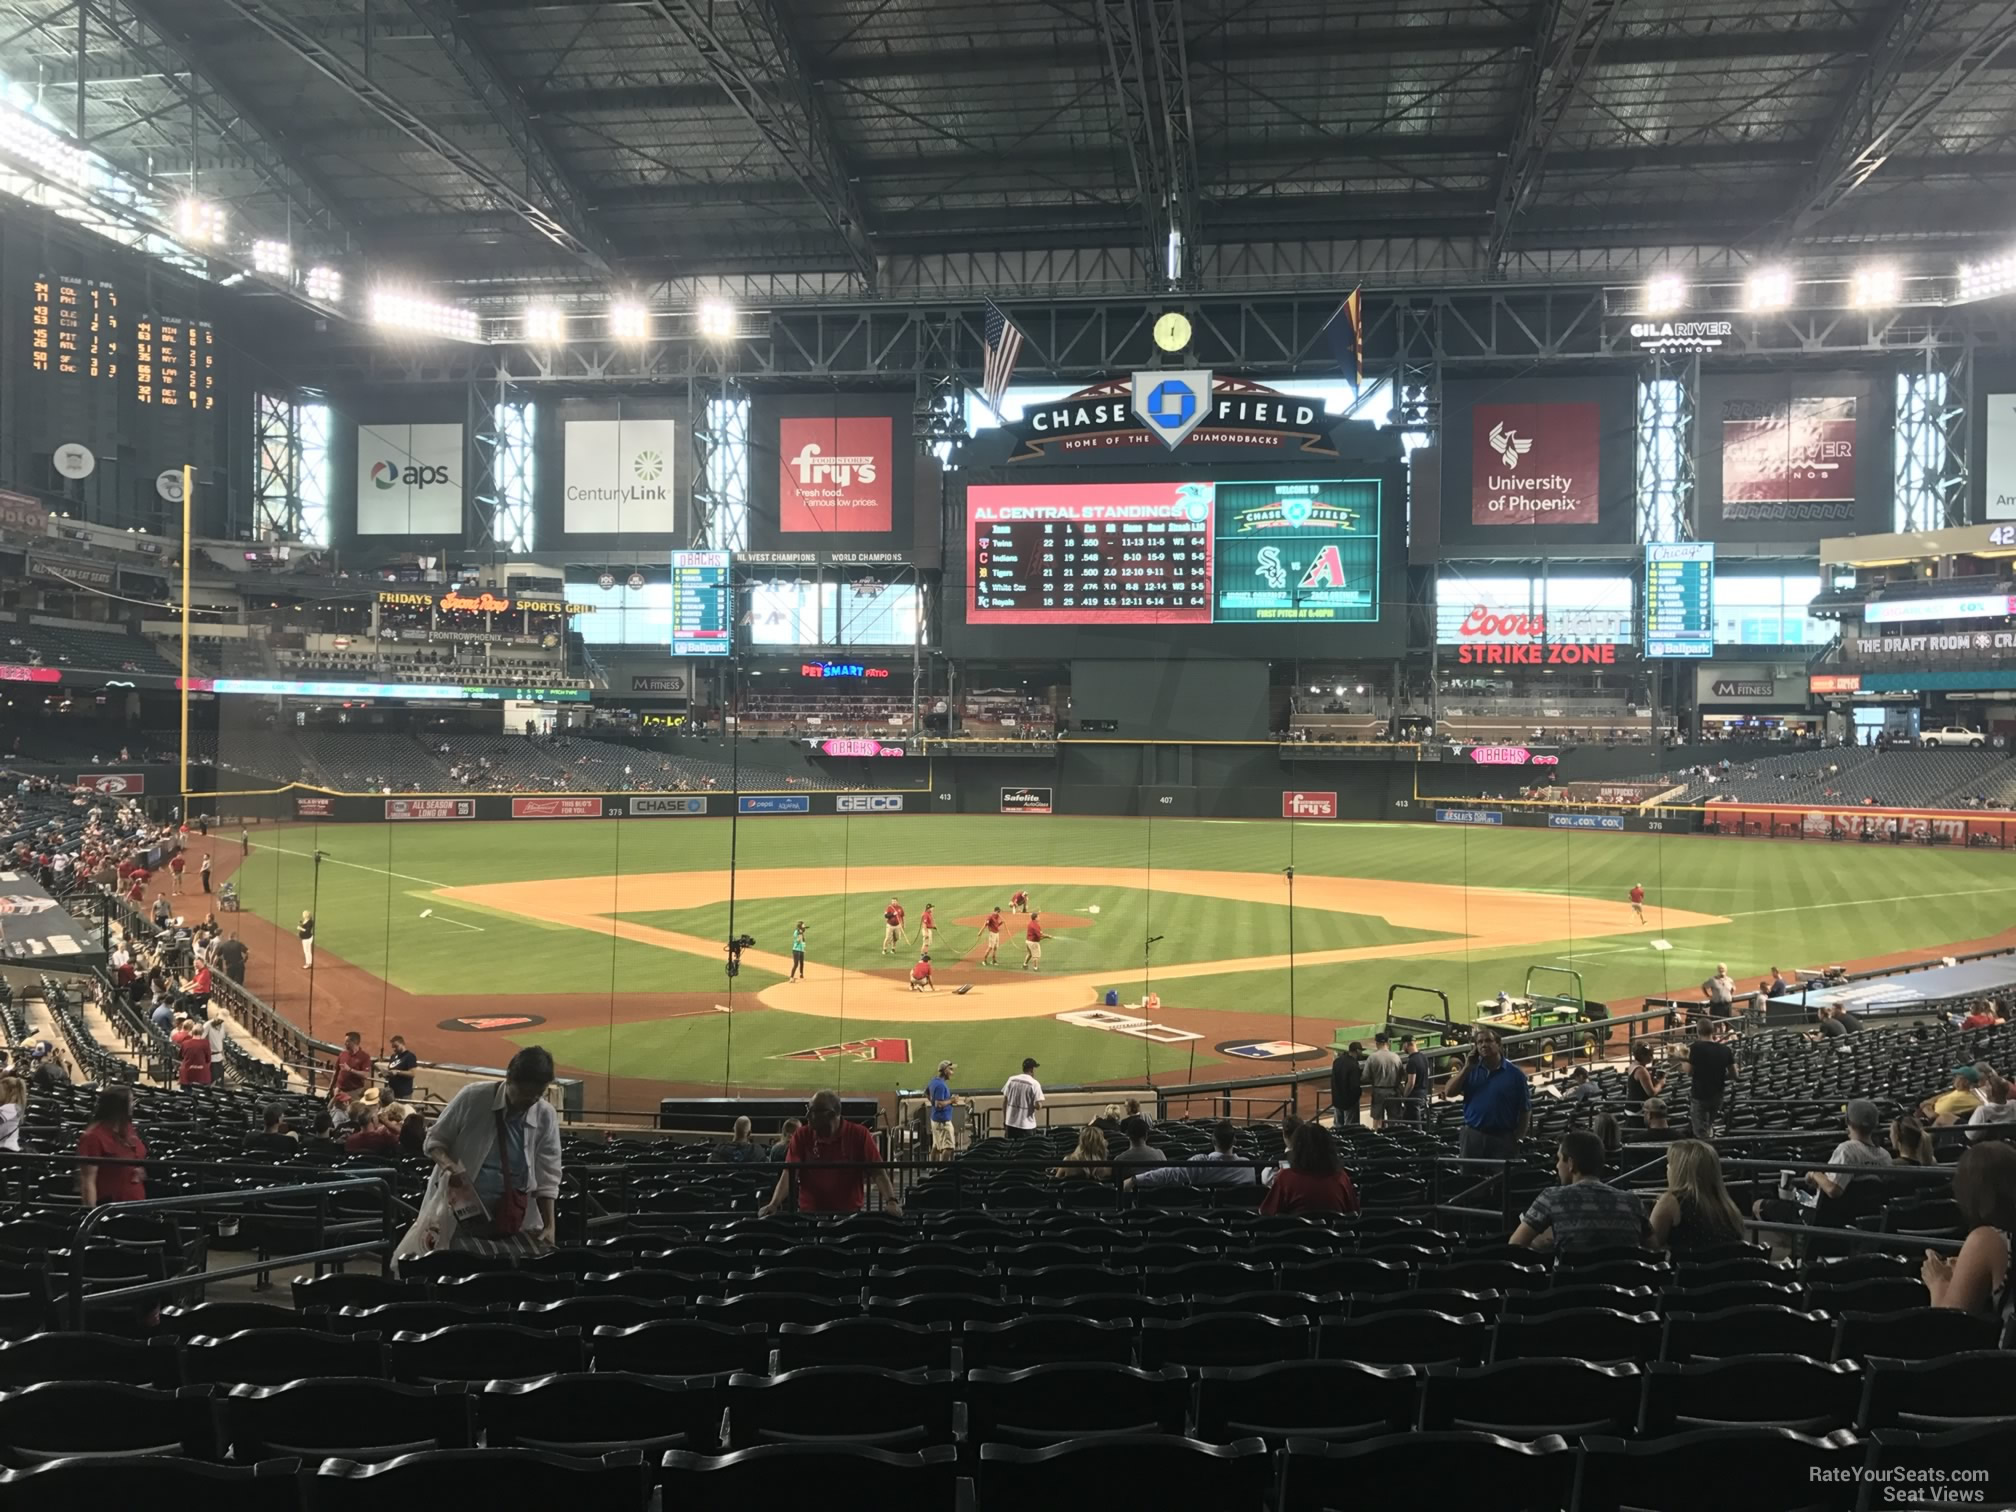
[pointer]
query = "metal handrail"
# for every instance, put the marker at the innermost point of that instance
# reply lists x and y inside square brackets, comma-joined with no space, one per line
[80,1299]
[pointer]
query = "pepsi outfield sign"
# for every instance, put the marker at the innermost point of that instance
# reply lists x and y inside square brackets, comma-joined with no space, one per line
[774,803]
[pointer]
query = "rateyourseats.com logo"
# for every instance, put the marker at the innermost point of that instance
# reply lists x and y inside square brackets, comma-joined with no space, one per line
[389,474]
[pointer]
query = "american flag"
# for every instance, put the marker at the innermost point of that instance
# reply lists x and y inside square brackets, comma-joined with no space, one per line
[1004,345]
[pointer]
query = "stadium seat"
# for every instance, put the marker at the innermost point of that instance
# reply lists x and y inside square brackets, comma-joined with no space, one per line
[90,1357]
[1534,1304]
[1067,1281]
[1939,1394]
[1978,1458]
[216,1318]
[1532,1398]
[836,1404]
[1596,1333]
[153,1480]
[356,1289]
[674,1288]
[1918,1333]
[1404,1336]
[618,1482]
[1155,1468]
[1111,1305]
[1046,1338]
[345,1418]
[1048,1404]
[274,1356]
[1394,1470]
[389,1318]
[1272,1303]
[1745,1331]
[1333,1400]
[595,1413]
[866,1341]
[1727,1294]
[60,1418]
[588,1313]
[681,1347]
[774,1310]
[1751,1467]
[1875,1294]
[1223,1339]
[780,1475]
[507,1287]
[1759,1391]
[956,1308]
[484,1351]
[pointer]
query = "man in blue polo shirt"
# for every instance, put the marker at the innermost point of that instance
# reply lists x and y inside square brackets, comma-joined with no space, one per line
[1495,1099]
[938,1093]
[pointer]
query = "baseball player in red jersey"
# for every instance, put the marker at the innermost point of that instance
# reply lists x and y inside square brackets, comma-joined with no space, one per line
[1032,944]
[1019,903]
[920,975]
[990,936]
[892,927]
[926,928]
[1638,900]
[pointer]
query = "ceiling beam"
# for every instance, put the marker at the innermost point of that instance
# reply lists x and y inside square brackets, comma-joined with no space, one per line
[759,65]
[1568,36]
[504,102]
[550,221]
[1881,112]
[183,68]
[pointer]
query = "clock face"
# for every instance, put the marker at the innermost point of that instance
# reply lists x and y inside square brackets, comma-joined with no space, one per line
[1172,332]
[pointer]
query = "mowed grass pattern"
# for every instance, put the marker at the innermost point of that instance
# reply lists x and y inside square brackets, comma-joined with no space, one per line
[1789,903]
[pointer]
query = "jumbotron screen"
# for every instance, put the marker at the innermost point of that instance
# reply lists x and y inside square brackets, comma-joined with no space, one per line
[1187,552]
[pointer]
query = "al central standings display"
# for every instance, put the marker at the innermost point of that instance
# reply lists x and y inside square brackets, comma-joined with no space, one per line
[1173,552]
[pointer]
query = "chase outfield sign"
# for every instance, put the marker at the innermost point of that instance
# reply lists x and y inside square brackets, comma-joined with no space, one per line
[1172,408]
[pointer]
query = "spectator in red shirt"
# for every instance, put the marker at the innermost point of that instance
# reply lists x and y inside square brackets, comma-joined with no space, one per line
[111,1136]
[380,1136]
[1314,1182]
[195,1069]
[828,1157]
[353,1065]
[1982,1016]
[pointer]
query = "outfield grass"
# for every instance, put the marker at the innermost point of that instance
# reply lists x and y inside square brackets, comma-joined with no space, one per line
[1789,903]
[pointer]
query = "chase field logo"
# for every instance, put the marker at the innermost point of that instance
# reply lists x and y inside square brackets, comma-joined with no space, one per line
[1172,404]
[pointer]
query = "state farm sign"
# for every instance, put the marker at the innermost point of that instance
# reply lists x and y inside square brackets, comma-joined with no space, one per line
[1308,805]
[836,474]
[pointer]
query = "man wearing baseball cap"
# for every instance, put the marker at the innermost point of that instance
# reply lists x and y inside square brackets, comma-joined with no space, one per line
[938,1092]
[1021,1096]
[1957,1103]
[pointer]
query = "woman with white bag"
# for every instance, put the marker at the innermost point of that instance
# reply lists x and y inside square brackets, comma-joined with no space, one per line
[496,1151]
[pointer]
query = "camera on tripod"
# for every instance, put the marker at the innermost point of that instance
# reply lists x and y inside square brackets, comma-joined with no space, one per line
[736,945]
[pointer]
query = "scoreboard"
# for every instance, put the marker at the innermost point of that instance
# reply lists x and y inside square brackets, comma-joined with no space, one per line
[1680,599]
[1089,554]
[702,624]
[1192,552]
[139,387]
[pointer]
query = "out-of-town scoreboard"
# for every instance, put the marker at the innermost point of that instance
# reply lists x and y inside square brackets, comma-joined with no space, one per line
[1680,599]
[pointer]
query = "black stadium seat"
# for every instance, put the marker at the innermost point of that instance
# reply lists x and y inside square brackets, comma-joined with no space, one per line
[1396,1470]
[1156,1469]
[335,1417]
[153,1480]
[89,1357]
[1311,1399]
[1762,1391]
[591,1414]
[681,1346]
[841,1404]
[61,1418]
[1047,1338]
[615,1482]
[781,1475]
[1759,1468]
[1532,1398]
[1946,1392]
[1048,1404]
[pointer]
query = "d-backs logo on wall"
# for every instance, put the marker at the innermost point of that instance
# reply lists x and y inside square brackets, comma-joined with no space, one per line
[1172,408]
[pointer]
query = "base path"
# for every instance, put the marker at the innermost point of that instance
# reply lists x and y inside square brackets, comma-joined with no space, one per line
[1483,920]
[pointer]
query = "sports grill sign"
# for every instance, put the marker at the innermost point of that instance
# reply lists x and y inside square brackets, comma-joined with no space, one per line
[1308,805]
[1535,464]
[430,808]
[114,784]
[1172,408]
